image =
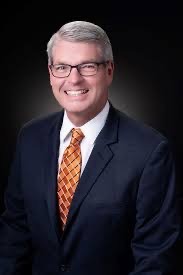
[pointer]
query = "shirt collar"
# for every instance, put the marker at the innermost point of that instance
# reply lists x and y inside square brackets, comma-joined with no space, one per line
[91,129]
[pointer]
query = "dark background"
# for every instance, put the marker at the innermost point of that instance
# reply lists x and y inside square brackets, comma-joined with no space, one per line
[147,43]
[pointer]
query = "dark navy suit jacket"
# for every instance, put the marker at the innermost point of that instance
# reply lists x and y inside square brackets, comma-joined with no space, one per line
[123,218]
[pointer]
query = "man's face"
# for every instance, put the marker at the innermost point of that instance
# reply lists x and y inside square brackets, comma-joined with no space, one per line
[81,96]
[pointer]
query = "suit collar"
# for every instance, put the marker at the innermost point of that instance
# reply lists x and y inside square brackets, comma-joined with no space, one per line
[101,155]
[109,133]
[99,159]
[51,144]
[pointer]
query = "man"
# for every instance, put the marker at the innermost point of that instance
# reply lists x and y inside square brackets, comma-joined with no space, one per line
[91,191]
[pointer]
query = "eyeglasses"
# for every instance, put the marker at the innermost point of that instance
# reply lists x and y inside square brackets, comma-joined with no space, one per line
[84,69]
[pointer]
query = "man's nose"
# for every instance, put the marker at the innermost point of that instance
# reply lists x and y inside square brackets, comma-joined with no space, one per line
[75,76]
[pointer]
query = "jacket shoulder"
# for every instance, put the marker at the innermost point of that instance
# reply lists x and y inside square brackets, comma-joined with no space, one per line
[41,125]
[139,132]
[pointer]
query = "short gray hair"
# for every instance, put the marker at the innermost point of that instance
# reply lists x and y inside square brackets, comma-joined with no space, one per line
[82,31]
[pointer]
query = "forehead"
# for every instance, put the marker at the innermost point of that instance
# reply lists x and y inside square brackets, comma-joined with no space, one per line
[75,52]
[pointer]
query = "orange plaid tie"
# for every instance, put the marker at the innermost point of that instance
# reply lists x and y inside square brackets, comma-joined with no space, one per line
[69,174]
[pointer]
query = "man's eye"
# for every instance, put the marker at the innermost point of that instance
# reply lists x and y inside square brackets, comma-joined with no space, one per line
[61,68]
[88,66]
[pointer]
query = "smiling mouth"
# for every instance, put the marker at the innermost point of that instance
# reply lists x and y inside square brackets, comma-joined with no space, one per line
[76,92]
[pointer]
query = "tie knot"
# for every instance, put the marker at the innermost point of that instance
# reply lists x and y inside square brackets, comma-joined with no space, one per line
[77,136]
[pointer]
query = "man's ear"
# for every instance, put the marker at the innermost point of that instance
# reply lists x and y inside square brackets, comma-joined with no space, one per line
[110,68]
[49,70]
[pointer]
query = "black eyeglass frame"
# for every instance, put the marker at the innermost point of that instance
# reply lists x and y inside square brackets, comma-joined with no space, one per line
[77,67]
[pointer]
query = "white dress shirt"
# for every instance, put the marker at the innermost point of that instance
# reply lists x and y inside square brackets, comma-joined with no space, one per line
[91,129]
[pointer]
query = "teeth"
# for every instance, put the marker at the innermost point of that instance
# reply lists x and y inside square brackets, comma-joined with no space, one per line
[76,93]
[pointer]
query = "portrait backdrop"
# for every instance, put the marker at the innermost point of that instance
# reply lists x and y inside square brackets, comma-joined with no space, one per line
[147,80]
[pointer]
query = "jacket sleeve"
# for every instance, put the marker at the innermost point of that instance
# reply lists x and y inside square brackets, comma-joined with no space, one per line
[157,215]
[15,242]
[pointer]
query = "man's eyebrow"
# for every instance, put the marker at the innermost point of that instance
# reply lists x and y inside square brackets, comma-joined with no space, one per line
[83,62]
[61,63]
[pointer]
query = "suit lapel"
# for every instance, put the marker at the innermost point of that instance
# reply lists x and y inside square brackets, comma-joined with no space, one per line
[52,140]
[99,158]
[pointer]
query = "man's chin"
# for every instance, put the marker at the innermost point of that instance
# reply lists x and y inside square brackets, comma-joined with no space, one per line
[76,112]
[77,108]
